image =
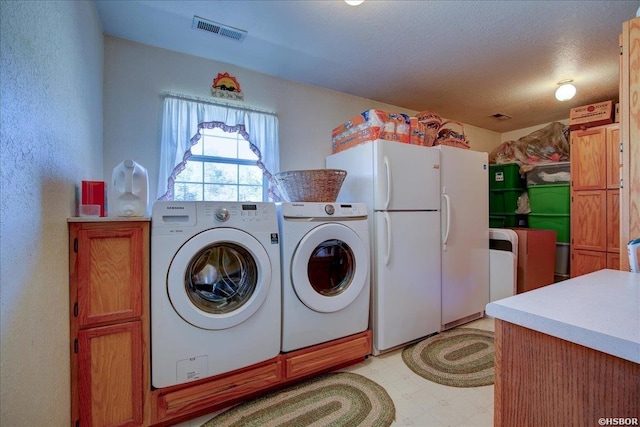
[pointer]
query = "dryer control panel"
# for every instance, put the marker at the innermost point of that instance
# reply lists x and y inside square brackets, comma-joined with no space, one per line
[324,211]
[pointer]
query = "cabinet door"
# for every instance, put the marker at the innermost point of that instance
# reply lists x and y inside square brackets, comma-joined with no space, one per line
[613,157]
[583,262]
[613,261]
[109,274]
[589,220]
[588,159]
[613,220]
[110,375]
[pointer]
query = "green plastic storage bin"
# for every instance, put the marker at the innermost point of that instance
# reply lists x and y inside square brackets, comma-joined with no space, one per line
[505,176]
[505,220]
[560,223]
[504,201]
[550,199]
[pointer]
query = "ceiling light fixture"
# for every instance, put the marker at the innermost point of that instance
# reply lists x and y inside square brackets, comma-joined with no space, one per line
[353,2]
[565,91]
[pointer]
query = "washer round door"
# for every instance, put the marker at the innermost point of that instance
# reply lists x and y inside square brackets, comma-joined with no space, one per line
[219,278]
[330,268]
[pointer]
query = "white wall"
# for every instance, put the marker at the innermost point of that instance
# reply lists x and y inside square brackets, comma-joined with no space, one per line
[51,70]
[136,75]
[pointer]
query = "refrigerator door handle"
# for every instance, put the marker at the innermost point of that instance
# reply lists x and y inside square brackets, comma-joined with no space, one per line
[387,167]
[387,255]
[447,201]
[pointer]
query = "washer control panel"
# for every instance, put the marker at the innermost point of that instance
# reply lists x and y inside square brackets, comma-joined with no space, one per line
[173,218]
[235,213]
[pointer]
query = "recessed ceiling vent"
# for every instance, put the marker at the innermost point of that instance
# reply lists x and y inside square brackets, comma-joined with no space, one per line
[218,29]
[500,116]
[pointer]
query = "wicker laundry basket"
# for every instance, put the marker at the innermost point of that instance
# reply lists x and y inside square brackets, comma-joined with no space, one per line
[311,185]
[432,122]
[447,136]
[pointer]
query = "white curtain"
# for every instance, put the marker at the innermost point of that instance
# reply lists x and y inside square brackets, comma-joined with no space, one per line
[181,123]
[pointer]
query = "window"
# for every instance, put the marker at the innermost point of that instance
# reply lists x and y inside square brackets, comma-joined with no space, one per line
[221,167]
[216,152]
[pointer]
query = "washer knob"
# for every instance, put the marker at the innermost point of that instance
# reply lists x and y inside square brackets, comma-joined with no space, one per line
[329,209]
[222,214]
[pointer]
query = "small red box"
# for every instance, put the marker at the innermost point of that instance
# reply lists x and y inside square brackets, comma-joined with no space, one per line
[93,193]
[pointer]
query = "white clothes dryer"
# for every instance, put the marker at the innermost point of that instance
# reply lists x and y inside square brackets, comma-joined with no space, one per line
[215,288]
[325,272]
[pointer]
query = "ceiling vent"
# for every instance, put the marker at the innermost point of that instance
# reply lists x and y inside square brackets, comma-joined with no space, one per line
[218,29]
[500,116]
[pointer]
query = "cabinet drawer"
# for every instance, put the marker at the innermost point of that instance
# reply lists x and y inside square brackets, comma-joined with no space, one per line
[331,355]
[187,399]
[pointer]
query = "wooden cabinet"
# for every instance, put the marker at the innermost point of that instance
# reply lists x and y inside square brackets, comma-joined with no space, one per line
[595,201]
[629,136]
[109,282]
[579,386]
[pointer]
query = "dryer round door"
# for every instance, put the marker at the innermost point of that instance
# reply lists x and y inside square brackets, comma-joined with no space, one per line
[330,268]
[219,278]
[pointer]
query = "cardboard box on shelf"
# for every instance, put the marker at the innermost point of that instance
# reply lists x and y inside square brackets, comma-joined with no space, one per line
[591,115]
[536,258]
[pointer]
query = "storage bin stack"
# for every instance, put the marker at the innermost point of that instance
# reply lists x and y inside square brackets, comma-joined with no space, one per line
[505,186]
[550,200]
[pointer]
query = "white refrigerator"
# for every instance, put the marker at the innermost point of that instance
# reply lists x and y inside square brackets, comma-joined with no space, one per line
[398,183]
[464,180]
[412,284]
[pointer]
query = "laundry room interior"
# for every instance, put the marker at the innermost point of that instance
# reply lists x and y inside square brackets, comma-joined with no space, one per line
[470,207]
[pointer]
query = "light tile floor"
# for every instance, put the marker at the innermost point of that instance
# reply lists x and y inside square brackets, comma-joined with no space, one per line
[420,402]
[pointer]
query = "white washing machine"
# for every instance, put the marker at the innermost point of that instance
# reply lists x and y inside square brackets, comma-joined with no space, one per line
[215,288]
[325,272]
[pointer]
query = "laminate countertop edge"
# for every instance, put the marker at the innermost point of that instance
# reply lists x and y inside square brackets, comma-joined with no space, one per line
[600,310]
[108,219]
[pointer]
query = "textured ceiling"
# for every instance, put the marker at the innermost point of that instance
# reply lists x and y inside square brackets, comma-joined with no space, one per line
[466,60]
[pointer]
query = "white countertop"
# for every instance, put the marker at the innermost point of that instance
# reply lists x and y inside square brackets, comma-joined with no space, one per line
[108,218]
[600,310]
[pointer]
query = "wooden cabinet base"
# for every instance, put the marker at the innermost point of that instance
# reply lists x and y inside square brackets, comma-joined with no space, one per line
[197,398]
[182,402]
[541,380]
[323,357]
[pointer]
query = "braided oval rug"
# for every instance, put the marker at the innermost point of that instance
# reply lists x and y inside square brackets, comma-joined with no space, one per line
[461,357]
[330,400]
